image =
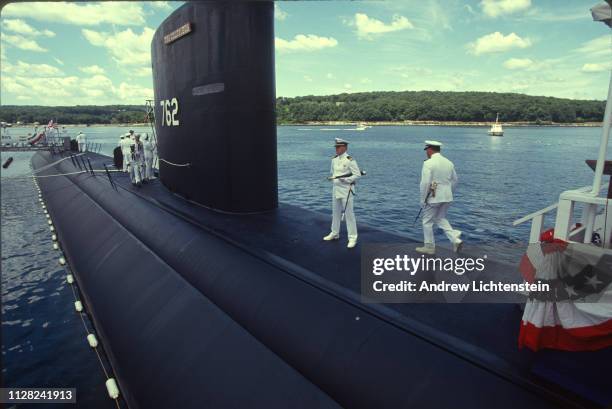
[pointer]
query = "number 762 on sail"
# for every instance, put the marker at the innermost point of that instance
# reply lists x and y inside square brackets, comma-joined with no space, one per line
[169,111]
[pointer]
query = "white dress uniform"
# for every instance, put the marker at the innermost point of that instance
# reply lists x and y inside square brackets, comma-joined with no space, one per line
[149,154]
[126,142]
[136,162]
[343,195]
[439,171]
[82,142]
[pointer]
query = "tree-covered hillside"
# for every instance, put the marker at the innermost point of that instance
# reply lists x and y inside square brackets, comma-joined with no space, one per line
[437,106]
[86,114]
[365,106]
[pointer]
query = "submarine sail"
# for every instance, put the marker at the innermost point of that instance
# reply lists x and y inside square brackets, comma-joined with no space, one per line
[213,71]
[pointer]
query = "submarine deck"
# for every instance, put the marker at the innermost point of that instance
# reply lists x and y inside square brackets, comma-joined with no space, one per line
[290,239]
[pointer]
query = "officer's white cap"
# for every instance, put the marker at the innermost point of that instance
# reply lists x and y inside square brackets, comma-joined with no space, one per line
[432,143]
[340,142]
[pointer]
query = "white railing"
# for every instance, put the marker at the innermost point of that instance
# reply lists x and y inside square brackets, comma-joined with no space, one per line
[564,221]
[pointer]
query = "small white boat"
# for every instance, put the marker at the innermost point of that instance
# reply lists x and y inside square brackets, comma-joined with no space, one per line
[496,128]
[362,127]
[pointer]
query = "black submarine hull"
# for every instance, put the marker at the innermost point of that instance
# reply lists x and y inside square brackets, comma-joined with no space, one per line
[190,317]
[244,306]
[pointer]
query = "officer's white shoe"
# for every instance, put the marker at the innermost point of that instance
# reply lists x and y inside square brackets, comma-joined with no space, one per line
[351,243]
[457,247]
[431,250]
[331,236]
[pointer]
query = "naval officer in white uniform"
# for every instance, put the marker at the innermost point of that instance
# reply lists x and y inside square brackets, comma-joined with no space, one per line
[344,174]
[438,180]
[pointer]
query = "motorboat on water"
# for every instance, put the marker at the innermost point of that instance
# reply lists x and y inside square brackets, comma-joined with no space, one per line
[496,128]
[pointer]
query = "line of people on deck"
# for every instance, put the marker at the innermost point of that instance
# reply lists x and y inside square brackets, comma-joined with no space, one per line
[438,181]
[138,157]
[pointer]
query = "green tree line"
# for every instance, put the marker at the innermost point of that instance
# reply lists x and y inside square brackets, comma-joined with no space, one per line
[356,107]
[90,114]
[437,106]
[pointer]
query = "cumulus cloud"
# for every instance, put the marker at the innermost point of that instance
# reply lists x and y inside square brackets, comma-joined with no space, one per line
[161,5]
[279,14]
[518,63]
[21,27]
[367,27]
[34,70]
[596,67]
[126,48]
[308,42]
[496,43]
[496,8]
[23,43]
[92,69]
[71,90]
[121,13]
[599,46]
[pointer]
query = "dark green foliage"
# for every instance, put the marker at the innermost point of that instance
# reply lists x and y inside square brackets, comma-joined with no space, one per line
[437,106]
[364,106]
[85,114]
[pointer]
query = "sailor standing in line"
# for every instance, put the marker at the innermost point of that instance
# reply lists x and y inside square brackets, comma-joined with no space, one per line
[149,153]
[344,174]
[126,142]
[137,160]
[438,180]
[82,141]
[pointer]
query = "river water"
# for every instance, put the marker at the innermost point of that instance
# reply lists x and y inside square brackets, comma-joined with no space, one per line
[500,180]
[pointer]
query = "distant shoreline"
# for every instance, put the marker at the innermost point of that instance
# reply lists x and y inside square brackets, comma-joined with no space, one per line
[441,123]
[368,123]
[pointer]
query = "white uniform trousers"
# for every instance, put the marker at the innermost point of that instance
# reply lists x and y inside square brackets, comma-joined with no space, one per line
[349,216]
[435,213]
[126,159]
[136,171]
[82,147]
[149,167]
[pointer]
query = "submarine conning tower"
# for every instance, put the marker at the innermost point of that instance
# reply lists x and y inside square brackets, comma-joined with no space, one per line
[213,73]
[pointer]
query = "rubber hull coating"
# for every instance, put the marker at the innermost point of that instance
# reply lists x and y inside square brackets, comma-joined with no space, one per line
[213,71]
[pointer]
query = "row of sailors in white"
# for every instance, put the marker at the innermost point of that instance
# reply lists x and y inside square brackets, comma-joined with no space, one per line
[137,157]
[82,142]
[438,180]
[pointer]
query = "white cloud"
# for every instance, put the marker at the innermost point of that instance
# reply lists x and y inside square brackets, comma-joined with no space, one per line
[142,72]
[368,26]
[73,90]
[279,14]
[92,69]
[599,46]
[135,93]
[21,27]
[596,67]
[23,43]
[496,8]
[497,42]
[122,13]
[34,70]
[330,76]
[125,47]
[162,5]
[308,42]
[348,86]
[307,78]
[365,81]
[518,63]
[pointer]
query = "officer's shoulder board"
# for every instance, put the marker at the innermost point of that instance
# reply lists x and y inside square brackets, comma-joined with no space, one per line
[334,157]
[349,157]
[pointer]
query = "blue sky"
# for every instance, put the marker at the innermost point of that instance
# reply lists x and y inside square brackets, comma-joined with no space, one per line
[98,53]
